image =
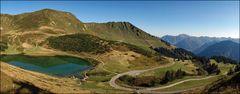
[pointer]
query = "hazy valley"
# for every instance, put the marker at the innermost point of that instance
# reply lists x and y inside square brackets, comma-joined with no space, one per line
[206,46]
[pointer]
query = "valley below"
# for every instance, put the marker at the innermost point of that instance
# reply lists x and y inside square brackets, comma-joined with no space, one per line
[94,83]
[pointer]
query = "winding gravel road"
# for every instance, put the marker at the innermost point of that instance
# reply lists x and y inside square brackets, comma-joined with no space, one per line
[113,83]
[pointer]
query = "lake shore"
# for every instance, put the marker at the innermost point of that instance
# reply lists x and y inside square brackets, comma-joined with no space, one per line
[43,81]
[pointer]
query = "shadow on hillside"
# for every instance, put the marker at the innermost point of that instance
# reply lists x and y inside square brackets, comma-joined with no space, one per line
[26,88]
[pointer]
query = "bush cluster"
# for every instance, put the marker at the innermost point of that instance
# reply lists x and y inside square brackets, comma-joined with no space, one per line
[223,59]
[150,81]
[79,43]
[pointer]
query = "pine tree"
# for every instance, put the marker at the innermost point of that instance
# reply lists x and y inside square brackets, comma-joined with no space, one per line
[230,72]
[237,68]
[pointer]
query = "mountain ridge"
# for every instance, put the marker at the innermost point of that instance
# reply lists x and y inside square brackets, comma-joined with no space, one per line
[39,25]
[184,41]
[224,48]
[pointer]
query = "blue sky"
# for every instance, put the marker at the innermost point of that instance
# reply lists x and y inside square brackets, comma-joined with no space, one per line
[198,18]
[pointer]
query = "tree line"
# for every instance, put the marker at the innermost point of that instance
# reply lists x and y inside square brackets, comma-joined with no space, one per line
[234,70]
[204,64]
[78,43]
[205,67]
[177,53]
[181,54]
[90,43]
[150,81]
[223,59]
[172,75]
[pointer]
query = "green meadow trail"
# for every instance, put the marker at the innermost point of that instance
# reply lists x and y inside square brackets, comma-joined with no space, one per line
[113,83]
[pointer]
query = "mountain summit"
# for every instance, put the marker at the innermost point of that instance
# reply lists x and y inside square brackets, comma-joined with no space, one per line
[35,20]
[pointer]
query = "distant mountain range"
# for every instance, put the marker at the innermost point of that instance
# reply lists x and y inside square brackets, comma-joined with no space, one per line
[206,46]
[224,48]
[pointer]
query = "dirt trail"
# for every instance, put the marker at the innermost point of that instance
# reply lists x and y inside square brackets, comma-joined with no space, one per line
[113,83]
[171,85]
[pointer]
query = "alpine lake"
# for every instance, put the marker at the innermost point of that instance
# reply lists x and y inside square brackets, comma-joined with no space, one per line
[64,66]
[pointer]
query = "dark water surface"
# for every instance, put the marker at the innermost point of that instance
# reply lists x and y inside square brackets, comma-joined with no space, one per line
[53,65]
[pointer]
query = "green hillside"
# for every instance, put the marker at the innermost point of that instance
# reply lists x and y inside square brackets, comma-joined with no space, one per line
[46,17]
[125,32]
[226,85]
[35,27]
[92,44]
